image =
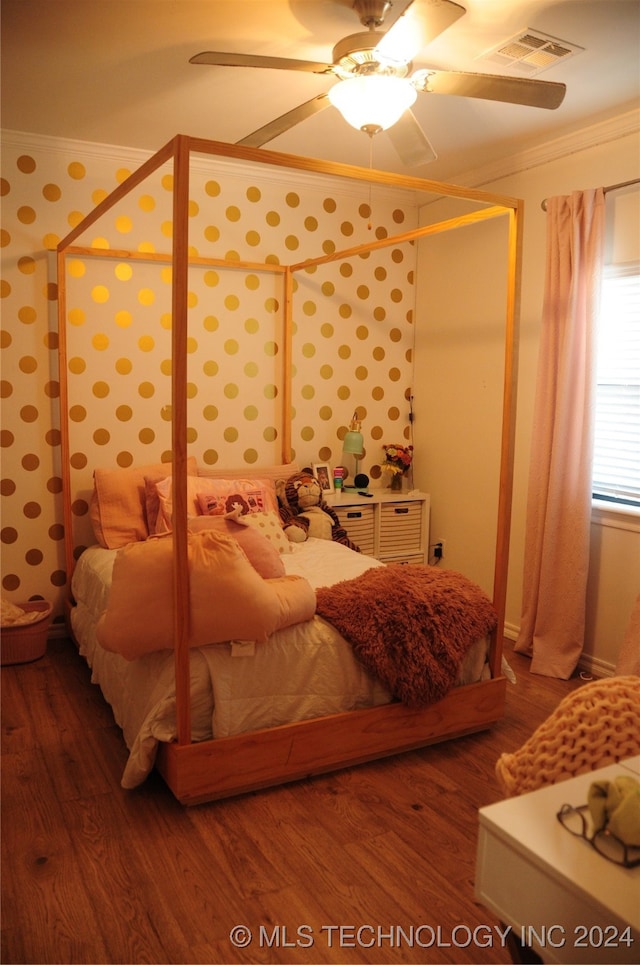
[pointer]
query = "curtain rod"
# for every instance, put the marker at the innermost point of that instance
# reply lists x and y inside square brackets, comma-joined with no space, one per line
[610,187]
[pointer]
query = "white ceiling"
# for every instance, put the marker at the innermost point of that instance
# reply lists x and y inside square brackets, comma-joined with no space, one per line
[117,72]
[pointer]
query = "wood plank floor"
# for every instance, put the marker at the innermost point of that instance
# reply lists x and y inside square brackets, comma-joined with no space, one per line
[371,864]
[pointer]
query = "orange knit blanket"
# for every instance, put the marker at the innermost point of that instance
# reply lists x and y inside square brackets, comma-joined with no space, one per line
[410,626]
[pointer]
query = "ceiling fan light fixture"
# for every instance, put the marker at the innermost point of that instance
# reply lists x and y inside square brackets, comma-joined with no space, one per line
[372,103]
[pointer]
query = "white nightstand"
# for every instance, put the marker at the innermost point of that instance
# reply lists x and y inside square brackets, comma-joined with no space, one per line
[393,527]
[557,893]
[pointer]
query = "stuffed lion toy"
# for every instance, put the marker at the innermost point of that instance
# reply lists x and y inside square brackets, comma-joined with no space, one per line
[304,513]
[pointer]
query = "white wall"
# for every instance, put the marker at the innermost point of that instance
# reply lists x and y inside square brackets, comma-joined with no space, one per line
[459,348]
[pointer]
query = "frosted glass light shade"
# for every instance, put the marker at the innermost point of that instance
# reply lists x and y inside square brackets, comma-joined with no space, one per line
[372,103]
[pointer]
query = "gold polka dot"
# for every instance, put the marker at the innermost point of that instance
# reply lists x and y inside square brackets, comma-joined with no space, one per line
[5,238]
[123,318]
[291,242]
[26,164]
[146,390]
[395,374]
[212,233]
[26,214]
[77,413]
[52,437]
[270,348]
[233,213]
[78,460]
[212,188]
[51,192]
[232,303]
[29,413]
[146,343]
[252,238]
[231,390]
[122,174]
[344,351]
[101,437]
[272,218]
[329,205]
[253,193]
[251,370]
[251,326]
[292,199]
[123,366]
[52,389]
[166,321]
[251,413]
[27,364]
[146,436]
[123,272]
[307,392]
[146,296]
[210,413]
[231,346]
[146,202]
[101,390]
[345,311]
[76,170]
[166,228]
[192,345]
[230,434]
[100,294]
[5,187]
[6,389]
[124,224]
[100,243]
[210,367]
[100,342]
[326,372]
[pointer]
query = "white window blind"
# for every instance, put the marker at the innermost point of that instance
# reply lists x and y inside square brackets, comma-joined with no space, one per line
[616,464]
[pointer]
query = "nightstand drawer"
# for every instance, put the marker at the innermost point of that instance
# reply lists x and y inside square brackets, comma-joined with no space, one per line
[359,522]
[401,529]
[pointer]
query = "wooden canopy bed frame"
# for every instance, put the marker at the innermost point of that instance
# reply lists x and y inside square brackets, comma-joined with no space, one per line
[204,771]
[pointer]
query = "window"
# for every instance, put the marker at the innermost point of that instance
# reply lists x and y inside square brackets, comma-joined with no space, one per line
[616,463]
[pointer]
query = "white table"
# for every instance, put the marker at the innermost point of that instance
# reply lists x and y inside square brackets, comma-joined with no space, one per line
[558,894]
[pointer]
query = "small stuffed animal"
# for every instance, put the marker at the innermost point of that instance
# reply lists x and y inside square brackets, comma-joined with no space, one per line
[304,513]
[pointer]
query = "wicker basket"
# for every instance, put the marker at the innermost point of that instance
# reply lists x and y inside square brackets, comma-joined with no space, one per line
[28,641]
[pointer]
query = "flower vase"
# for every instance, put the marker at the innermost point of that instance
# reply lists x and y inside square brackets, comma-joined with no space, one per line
[396,482]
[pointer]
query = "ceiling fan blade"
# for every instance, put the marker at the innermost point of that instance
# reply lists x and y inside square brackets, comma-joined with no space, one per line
[217,58]
[410,141]
[421,22]
[492,87]
[286,121]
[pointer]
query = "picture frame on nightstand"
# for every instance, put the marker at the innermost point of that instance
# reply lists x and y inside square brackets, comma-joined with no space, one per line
[322,472]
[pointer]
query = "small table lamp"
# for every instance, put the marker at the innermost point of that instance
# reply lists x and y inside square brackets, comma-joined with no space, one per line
[352,450]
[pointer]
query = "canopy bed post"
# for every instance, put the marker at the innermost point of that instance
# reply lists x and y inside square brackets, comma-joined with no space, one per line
[180,266]
[508,424]
[287,337]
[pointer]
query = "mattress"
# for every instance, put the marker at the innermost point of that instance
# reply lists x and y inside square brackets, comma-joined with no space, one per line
[304,671]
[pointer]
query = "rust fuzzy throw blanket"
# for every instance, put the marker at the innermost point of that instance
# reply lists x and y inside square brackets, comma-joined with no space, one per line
[410,626]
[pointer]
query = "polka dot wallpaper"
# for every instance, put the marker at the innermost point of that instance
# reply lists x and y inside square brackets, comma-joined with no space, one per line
[352,322]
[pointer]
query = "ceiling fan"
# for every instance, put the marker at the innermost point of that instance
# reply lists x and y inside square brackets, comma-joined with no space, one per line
[377,64]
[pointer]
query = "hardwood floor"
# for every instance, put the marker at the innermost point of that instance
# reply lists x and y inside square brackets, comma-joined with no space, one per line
[371,864]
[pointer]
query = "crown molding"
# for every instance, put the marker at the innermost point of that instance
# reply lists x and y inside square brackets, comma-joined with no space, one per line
[623,125]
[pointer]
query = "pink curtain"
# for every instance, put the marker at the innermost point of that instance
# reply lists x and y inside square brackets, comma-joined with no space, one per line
[559,502]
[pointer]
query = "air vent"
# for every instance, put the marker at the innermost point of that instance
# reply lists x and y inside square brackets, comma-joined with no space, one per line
[530,52]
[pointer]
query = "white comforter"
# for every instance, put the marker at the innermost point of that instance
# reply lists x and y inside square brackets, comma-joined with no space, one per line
[304,671]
